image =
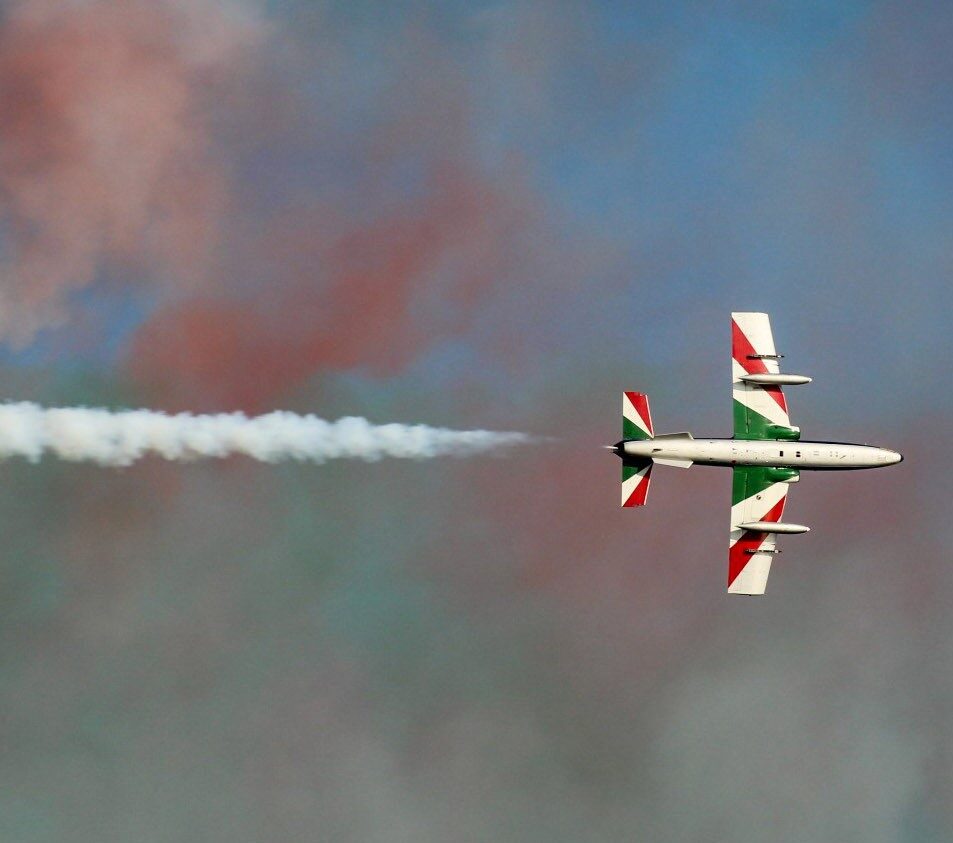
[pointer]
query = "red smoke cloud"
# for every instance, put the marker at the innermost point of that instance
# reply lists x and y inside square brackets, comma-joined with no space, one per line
[368,297]
[109,168]
[105,153]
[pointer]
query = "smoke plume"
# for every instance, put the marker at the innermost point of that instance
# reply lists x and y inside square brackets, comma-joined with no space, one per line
[81,434]
[107,156]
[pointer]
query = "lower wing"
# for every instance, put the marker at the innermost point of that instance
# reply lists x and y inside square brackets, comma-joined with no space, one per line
[755,499]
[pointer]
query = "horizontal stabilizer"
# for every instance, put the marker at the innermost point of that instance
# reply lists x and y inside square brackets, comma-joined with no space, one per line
[636,475]
[636,416]
[683,435]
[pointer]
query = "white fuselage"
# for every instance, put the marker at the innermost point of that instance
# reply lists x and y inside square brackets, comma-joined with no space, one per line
[800,455]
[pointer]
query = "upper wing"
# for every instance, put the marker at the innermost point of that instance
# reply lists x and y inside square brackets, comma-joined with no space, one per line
[756,406]
[753,498]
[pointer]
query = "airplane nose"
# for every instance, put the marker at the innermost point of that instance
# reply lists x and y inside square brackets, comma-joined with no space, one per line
[896,457]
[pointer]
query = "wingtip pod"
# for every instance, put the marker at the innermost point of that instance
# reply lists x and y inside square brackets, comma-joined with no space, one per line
[767,379]
[774,527]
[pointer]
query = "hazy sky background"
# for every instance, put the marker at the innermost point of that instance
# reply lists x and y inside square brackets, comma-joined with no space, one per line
[489,215]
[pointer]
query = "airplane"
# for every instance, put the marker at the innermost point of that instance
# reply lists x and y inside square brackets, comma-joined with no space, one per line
[766,453]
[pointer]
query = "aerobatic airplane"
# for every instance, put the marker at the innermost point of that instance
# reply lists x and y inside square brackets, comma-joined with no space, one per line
[766,453]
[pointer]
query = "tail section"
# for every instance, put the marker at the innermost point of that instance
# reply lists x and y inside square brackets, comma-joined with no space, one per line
[636,424]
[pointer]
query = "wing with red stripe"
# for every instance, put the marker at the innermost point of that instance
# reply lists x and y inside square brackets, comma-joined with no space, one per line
[750,552]
[756,407]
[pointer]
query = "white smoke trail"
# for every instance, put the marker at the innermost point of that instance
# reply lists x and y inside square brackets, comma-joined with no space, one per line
[122,437]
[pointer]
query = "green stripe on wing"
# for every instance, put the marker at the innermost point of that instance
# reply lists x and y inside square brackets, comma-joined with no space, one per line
[750,424]
[748,480]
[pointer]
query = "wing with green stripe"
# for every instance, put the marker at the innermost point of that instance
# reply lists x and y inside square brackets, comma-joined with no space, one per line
[760,410]
[756,495]
[750,424]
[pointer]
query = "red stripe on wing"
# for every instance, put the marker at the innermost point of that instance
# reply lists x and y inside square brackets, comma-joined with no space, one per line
[738,556]
[741,348]
[776,393]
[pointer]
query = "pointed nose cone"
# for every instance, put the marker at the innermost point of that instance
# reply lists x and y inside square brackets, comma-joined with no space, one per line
[897,457]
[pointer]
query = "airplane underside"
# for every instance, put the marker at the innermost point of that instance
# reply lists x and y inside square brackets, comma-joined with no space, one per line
[766,453]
